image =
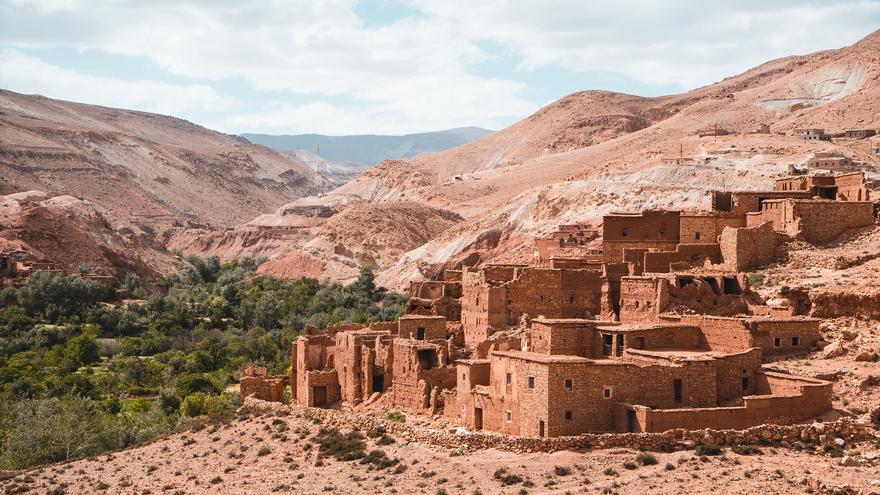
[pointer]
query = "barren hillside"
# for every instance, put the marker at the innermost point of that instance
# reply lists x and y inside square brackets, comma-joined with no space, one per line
[277,451]
[71,233]
[593,152]
[149,169]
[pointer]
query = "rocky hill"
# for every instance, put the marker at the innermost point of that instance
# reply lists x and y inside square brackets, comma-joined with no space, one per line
[147,169]
[593,152]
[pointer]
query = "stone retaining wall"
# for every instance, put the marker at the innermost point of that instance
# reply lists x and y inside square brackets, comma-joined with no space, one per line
[778,435]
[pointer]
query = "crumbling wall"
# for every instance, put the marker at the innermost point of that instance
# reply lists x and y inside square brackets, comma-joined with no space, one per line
[421,327]
[822,222]
[694,255]
[747,248]
[697,229]
[852,187]
[812,399]
[642,299]
[255,382]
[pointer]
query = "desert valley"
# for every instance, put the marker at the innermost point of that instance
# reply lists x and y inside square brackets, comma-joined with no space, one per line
[616,294]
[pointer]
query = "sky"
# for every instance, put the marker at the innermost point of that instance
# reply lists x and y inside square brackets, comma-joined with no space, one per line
[395,66]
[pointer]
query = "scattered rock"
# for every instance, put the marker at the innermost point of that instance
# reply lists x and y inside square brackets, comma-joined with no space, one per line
[864,356]
[834,350]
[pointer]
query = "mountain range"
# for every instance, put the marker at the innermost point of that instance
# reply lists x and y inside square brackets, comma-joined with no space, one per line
[370,149]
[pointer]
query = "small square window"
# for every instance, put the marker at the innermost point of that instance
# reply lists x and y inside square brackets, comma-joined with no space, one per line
[568,415]
[777,342]
[531,382]
[568,384]
[607,393]
[795,341]
[509,378]
[509,416]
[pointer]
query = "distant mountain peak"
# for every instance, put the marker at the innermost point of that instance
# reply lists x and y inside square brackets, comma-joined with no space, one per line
[370,149]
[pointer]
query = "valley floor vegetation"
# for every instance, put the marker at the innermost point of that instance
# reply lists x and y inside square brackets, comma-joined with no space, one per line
[82,374]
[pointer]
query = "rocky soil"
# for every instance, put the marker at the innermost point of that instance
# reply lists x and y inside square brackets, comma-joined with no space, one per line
[274,451]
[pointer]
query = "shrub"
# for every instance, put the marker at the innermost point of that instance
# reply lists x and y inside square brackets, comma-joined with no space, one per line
[747,450]
[341,447]
[630,465]
[561,471]
[646,459]
[385,440]
[708,449]
[200,404]
[264,451]
[396,416]
[379,460]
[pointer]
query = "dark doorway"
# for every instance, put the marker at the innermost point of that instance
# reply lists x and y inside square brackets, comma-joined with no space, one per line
[619,351]
[607,342]
[541,428]
[731,285]
[478,418]
[427,359]
[379,383]
[319,396]
[420,333]
[676,390]
[745,384]
[631,421]
[713,283]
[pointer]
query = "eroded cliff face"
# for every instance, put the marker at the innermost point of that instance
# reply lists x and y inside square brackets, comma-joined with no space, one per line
[145,169]
[66,233]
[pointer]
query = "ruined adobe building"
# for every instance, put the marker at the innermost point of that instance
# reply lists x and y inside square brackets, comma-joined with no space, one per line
[580,375]
[660,330]
[568,242]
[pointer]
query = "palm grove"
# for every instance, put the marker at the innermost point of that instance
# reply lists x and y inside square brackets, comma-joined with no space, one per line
[80,376]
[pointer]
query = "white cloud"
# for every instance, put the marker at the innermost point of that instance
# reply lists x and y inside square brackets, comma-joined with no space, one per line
[418,73]
[27,74]
[671,42]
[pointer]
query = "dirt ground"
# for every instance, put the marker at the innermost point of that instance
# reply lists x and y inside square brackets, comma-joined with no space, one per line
[274,452]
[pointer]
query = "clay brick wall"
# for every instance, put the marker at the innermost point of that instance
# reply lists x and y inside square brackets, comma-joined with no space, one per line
[720,334]
[482,308]
[419,367]
[730,371]
[310,353]
[642,299]
[326,380]
[657,230]
[697,229]
[357,363]
[690,254]
[816,221]
[814,399]
[747,248]
[823,221]
[661,336]
[434,289]
[565,337]
[777,336]
[852,187]
[422,327]
[743,202]
[270,389]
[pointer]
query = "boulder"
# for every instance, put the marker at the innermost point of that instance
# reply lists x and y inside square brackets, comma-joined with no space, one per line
[864,356]
[834,350]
